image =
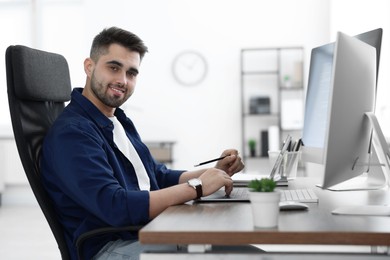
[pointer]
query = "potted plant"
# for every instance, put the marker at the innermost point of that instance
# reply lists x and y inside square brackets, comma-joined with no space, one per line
[252,147]
[264,202]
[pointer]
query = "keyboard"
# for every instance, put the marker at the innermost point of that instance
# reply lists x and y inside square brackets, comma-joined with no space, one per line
[300,195]
[242,195]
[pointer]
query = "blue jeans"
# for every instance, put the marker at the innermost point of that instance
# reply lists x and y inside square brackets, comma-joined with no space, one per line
[128,250]
[131,250]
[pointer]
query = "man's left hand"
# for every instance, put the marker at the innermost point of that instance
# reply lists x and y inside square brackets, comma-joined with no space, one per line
[232,163]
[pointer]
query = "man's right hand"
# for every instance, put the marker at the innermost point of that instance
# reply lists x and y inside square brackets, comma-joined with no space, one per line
[213,179]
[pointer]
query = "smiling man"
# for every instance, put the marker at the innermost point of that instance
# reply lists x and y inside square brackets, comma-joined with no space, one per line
[118,64]
[96,168]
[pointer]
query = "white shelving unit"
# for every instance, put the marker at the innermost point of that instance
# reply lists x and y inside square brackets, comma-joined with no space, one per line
[272,98]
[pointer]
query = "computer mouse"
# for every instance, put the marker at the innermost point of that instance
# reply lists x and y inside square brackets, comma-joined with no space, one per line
[292,205]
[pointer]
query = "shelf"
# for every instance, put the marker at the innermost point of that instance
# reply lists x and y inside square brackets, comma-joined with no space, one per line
[294,88]
[256,157]
[270,77]
[261,115]
[256,73]
[162,151]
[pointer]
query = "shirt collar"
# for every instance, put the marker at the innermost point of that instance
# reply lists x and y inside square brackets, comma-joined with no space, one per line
[93,111]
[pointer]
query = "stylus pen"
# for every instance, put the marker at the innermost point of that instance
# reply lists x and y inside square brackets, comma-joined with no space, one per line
[298,146]
[210,161]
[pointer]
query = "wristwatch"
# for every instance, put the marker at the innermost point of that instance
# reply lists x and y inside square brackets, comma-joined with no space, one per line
[197,185]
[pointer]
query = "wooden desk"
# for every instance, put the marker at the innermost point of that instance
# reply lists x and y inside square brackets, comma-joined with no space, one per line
[232,224]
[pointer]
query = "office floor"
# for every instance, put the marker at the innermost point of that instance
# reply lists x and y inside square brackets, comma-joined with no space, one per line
[25,234]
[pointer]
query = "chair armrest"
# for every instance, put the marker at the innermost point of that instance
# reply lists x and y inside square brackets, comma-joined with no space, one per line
[100,231]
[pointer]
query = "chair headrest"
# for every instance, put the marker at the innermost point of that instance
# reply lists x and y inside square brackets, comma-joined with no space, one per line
[40,75]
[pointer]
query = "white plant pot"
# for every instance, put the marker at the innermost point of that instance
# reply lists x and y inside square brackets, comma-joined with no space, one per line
[265,208]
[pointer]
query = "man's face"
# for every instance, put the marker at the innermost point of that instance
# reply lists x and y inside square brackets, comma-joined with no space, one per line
[113,77]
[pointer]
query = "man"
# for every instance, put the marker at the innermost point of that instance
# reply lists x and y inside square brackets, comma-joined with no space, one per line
[95,167]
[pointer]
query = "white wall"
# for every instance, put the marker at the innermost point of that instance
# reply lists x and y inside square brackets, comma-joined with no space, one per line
[203,119]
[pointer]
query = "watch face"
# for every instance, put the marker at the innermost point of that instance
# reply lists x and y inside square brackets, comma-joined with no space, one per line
[195,182]
[189,68]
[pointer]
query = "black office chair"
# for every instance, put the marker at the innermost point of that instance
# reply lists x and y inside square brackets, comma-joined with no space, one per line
[38,85]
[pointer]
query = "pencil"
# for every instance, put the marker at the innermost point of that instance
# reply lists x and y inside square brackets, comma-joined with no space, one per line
[210,161]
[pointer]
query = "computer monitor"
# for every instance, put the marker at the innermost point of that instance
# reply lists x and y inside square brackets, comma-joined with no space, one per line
[373,38]
[339,115]
[319,83]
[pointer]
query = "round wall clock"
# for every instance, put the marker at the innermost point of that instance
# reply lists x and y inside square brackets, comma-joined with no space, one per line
[189,68]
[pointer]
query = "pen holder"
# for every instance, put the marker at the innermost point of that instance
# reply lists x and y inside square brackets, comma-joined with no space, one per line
[272,156]
[289,165]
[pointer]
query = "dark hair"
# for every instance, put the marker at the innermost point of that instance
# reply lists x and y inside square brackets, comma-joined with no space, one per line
[112,35]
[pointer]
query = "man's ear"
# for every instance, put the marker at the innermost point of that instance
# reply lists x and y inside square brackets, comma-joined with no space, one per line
[88,66]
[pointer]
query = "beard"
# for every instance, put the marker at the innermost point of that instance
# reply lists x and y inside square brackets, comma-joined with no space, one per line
[100,91]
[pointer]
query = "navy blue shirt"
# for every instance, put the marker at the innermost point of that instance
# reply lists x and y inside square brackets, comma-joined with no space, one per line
[91,183]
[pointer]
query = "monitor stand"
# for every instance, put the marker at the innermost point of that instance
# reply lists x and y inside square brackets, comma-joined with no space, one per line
[379,179]
[378,175]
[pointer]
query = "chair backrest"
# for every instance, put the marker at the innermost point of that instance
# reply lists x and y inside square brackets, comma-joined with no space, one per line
[38,85]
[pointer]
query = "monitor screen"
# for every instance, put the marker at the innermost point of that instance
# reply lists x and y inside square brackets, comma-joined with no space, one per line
[342,88]
[317,103]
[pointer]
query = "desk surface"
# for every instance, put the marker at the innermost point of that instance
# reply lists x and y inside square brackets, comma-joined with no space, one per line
[232,223]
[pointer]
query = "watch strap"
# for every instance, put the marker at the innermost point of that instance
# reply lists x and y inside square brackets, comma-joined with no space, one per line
[199,191]
[197,187]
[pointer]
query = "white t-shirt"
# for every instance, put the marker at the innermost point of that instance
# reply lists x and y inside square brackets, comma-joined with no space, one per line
[126,147]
